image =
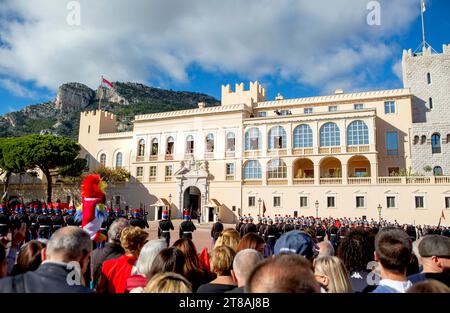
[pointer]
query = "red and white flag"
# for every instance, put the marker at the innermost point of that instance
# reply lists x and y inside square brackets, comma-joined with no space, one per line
[107,82]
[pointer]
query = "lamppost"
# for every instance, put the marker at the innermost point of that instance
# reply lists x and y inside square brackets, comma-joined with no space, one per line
[259,206]
[379,213]
[317,208]
[170,203]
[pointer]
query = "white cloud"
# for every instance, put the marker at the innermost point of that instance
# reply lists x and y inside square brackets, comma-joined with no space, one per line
[317,43]
[17,89]
[397,69]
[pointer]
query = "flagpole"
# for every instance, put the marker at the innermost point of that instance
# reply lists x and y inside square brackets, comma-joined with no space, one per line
[424,43]
[101,94]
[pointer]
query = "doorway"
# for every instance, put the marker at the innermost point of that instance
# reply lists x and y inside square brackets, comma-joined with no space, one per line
[211,214]
[191,201]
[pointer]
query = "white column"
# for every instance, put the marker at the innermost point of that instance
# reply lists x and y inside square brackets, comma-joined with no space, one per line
[344,173]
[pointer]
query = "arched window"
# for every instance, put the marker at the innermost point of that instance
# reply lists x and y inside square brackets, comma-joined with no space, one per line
[277,138]
[154,147]
[437,171]
[252,170]
[141,147]
[436,143]
[330,135]
[119,160]
[253,139]
[357,133]
[190,144]
[303,137]
[231,142]
[276,169]
[170,143]
[103,159]
[416,140]
[88,161]
[210,143]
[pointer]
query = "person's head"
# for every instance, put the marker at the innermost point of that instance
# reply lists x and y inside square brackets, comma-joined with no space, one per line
[3,262]
[244,262]
[68,244]
[356,250]
[284,273]
[222,260]
[331,274]
[251,241]
[434,251]
[297,242]
[168,283]
[191,260]
[228,237]
[429,286]
[168,260]
[132,239]
[393,249]
[325,248]
[29,257]
[116,229]
[148,254]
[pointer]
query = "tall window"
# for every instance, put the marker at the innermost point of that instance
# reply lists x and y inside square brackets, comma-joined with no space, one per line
[154,147]
[307,110]
[389,107]
[420,202]
[331,202]
[139,171]
[190,144]
[230,169]
[436,143]
[429,78]
[153,171]
[277,138]
[277,201]
[103,159]
[391,143]
[447,202]
[332,108]
[119,160]
[360,202]
[437,171]
[357,133]
[169,170]
[231,142]
[303,202]
[276,169]
[252,170]
[358,106]
[330,135]
[303,136]
[390,202]
[210,143]
[141,147]
[253,139]
[170,144]
[251,201]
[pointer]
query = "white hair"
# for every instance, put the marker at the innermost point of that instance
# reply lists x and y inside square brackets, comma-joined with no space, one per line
[244,262]
[325,248]
[69,243]
[148,254]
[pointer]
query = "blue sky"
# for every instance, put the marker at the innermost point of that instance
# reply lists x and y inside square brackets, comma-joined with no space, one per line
[296,48]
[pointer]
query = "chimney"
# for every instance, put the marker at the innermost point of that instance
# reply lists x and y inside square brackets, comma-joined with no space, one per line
[338,91]
[201,105]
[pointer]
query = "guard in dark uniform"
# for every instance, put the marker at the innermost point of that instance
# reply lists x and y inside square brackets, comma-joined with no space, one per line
[320,233]
[45,225]
[137,220]
[5,222]
[243,226]
[109,218]
[187,228]
[117,213]
[262,229]
[239,224]
[165,226]
[250,227]
[288,226]
[57,219]
[34,227]
[70,217]
[216,229]
[271,235]
[24,218]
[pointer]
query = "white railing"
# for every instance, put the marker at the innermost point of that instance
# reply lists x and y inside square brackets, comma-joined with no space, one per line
[331,181]
[418,180]
[303,181]
[359,180]
[389,180]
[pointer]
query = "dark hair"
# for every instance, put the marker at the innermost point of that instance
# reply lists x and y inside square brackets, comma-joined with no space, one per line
[168,260]
[250,241]
[429,286]
[394,248]
[356,250]
[284,273]
[29,257]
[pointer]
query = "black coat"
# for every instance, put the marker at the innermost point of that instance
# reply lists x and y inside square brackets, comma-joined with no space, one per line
[48,278]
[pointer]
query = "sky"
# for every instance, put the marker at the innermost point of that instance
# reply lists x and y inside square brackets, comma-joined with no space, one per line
[298,48]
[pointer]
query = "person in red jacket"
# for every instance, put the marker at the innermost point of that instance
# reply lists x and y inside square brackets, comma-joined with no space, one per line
[115,272]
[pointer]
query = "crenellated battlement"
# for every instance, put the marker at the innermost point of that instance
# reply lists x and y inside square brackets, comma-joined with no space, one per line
[101,113]
[255,93]
[426,52]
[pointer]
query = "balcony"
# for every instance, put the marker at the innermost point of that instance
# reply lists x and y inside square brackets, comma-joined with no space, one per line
[302,151]
[153,158]
[277,152]
[442,180]
[168,178]
[252,153]
[152,179]
[418,180]
[330,150]
[230,154]
[358,149]
[331,181]
[188,155]
[389,180]
[168,157]
[275,181]
[140,158]
[303,181]
[359,180]
[229,177]
[209,155]
[252,182]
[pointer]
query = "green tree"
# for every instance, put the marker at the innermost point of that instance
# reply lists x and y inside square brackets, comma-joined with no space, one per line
[11,159]
[112,175]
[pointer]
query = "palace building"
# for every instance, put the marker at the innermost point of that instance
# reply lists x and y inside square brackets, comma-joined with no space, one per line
[341,155]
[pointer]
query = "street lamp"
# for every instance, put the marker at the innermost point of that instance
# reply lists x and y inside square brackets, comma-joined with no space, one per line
[379,213]
[317,208]
[259,206]
[170,203]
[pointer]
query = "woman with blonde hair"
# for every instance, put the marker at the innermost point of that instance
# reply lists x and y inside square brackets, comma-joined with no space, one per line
[168,283]
[331,274]
[229,237]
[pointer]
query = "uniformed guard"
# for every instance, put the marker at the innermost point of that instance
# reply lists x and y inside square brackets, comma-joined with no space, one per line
[250,227]
[5,222]
[137,220]
[117,213]
[70,217]
[34,227]
[239,223]
[271,234]
[57,219]
[288,226]
[164,227]
[187,228]
[243,226]
[216,229]
[45,224]
[109,217]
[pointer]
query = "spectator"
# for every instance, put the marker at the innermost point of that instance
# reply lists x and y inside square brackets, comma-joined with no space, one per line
[434,251]
[115,272]
[356,252]
[112,249]
[429,286]
[151,249]
[285,273]
[393,249]
[168,283]
[297,242]
[244,262]
[251,241]
[29,257]
[325,248]
[216,230]
[70,244]
[229,237]
[167,260]
[192,269]
[221,264]
[3,262]
[331,274]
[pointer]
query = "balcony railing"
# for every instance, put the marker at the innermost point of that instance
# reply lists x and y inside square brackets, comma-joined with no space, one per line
[252,182]
[330,150]
[230,154]
[153,158]
[209,155]
[389,180]
[229,177]
[275,181]
[302,151]
[418,180]
[140,158]
[277,152]
[252,153]
[169,157]
[303,181]
[331,181]
[442,180]
[359,180]
[168,178]
[356,149]
[152,179]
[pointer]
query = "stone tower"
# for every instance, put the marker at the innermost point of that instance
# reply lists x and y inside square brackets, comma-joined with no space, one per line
[427,74]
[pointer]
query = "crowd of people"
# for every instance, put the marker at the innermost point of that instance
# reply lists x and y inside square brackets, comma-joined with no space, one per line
[282,255]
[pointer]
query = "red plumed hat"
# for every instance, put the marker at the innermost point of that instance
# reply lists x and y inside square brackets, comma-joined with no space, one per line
[92,187]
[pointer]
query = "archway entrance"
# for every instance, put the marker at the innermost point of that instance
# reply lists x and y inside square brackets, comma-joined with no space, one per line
[191,201]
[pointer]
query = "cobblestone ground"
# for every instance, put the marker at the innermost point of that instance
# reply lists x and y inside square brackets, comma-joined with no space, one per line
[201,237]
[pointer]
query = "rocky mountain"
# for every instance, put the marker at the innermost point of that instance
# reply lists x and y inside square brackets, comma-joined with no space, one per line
[61,116]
